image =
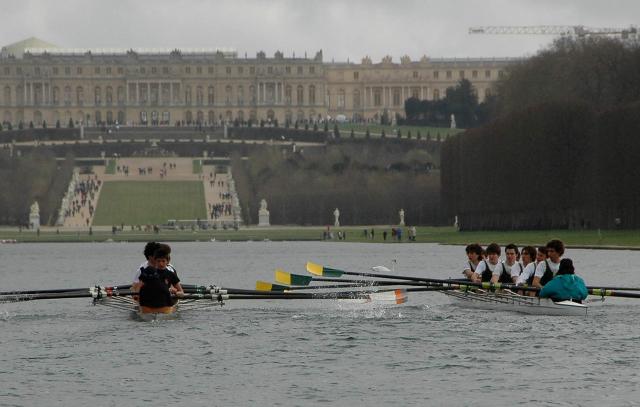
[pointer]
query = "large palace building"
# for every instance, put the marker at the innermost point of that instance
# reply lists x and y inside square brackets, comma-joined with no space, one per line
[41,82]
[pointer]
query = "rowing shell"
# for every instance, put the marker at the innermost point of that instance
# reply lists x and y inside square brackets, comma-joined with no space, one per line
[153,314]
[509,301]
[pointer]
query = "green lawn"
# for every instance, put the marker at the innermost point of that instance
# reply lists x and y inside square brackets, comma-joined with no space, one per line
[153,202]
[197,166]
[111,167]
[390,131]
[445,235]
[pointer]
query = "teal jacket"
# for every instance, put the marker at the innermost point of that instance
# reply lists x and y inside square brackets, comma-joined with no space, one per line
[565,287]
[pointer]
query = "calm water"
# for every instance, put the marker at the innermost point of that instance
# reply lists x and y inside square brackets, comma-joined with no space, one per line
[277,353]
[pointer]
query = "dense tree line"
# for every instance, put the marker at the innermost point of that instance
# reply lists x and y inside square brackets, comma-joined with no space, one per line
[556,165]
[460,101]
[36,176]
[561,150]
[368,183]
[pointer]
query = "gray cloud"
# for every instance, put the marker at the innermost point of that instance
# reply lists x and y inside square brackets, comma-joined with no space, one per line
[343,29]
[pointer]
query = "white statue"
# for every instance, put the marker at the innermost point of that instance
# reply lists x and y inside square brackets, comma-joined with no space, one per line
[34,216]
[263,214]
[453,121]
[401,213]
[336,215]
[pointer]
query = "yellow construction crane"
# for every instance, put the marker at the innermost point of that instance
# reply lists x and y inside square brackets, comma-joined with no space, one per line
[580,31]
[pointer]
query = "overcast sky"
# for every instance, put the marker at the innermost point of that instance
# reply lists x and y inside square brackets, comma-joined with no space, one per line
[342,29]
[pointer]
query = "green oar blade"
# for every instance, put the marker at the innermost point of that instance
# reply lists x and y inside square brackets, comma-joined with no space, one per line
[264,286]
[292,279]
[319,270]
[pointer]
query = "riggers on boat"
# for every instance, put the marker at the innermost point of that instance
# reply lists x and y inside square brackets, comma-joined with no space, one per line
[509,301]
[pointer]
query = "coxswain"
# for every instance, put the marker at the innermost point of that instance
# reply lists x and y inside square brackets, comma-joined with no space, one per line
[565,285]
[474,256]
[488,267]
[159,285]
[547,269]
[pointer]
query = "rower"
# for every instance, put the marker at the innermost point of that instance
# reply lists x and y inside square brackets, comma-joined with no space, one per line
[547,269]
[511,267]
[158,283]
[474,256]
[149,250]
[526,277]
[565,285]
[528,267]
[488,268]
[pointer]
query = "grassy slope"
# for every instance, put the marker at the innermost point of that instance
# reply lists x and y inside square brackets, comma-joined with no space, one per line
[139,203]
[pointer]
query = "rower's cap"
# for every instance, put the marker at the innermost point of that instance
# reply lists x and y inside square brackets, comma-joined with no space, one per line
[566,267]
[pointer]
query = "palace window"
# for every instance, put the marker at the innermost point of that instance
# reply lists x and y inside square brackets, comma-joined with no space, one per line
[252,70]
[396,96]
[108,70]
[96,70]
[187,95]
[210,70]
[187,69]
[436,94]
[79,70]
[341,99]
[487,74]
[55,70]
[312,95]
[299,70]
[199,95]
[97,95]
[356,76]
[7,70]
[500,74]
[461,74]
[415,93]
[120,94]
[300,94]
[67,70]
[154,69]
[36,70]
[240,95]
[240,70]
[143,70]
[79,96]
[377,97]
[356,99]
[312,69]
[448,74]
[109,95]
[228,90]
[67,95]
[415,74]
[287,94]
[228,70]
[210,96]
[56,95]
[474,74]
[19,70]
[7,95]
[120,71]
[287,69]
[199,70]
[270,70]
[436,74]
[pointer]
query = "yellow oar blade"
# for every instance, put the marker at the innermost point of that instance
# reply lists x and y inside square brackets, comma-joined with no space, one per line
[264,286]
[319,270]
[292,279]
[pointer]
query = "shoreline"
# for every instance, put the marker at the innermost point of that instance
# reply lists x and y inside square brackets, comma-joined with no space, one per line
[583,239]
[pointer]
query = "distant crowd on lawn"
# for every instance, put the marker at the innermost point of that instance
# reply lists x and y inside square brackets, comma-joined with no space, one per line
[395,234]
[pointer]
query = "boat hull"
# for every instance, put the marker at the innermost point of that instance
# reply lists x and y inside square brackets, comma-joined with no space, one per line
[153,314]
[507,301]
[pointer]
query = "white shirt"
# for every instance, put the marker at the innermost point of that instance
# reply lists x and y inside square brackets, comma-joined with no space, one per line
[482,266]
[514,269]
[469,266]
[542,267]
[528,271]
[136,278]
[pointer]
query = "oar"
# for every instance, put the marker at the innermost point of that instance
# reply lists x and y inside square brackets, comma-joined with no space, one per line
[94,292]
[612,293]
[59,290]
[331,272]
[300,280]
